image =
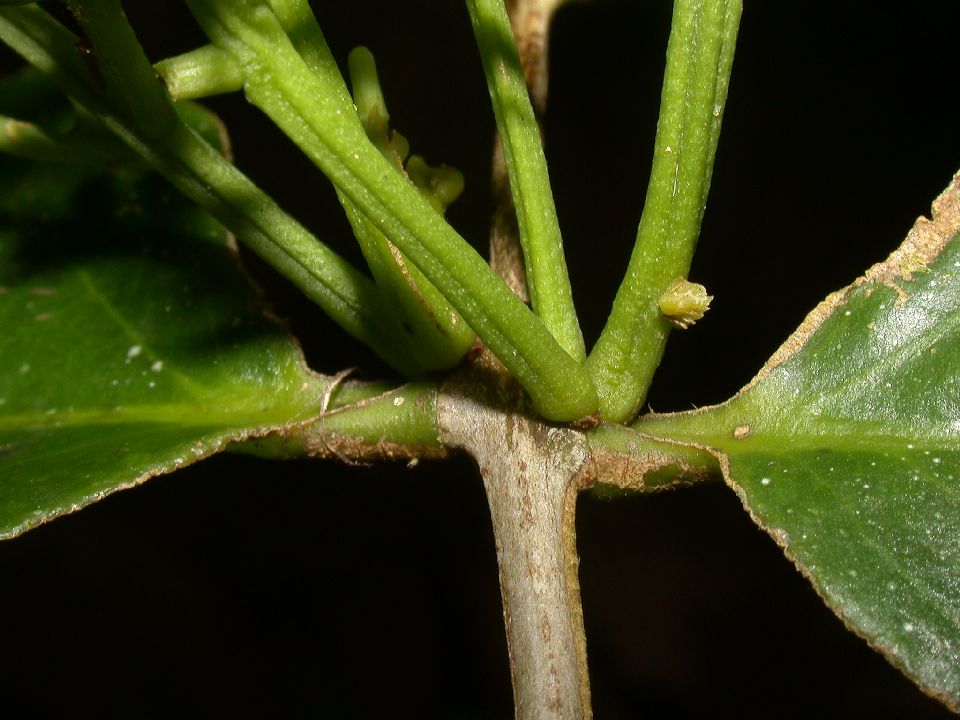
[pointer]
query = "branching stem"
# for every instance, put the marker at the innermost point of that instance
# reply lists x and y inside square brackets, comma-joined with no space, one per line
[205,176]
[308,107]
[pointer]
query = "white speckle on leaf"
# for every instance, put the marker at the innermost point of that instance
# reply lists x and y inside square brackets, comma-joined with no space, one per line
[398,401]
[780,535]
[25,368]
[134,351]
[157,366]
[908,627]
[765,481]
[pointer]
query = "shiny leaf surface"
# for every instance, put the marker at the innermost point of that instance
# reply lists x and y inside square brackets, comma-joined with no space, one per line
[131,342]
[846,449]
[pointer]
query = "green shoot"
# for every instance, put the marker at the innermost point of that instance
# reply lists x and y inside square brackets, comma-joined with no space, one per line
[699,60]
[545,265]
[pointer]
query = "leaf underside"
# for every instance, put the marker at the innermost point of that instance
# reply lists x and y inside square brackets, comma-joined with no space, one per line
[846,449]
[131,342]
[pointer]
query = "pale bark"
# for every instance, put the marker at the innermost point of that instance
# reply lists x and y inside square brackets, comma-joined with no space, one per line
[532,473]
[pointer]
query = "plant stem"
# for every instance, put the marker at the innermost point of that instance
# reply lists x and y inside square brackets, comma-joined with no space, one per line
[200,73]
[364,422]
[699,60]
[439,336]
[308,107]
[531,474]
[85,144]
[546,271]
[131,82]
[204,175]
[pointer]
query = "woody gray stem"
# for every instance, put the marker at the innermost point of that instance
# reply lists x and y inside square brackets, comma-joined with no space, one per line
[531,473]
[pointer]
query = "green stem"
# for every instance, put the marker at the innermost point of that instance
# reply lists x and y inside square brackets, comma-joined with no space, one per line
[200,73]
[309,108]
[363,422]
[83,144]
[546,268]
[346,295]
[201,173]
[439,336]
[438,333]
[130,80]
[699,60]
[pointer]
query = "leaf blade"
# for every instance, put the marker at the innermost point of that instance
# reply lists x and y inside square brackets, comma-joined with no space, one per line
[131,344]
[846,449]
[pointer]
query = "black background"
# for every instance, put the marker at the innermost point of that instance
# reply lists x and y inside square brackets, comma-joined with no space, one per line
[241,587]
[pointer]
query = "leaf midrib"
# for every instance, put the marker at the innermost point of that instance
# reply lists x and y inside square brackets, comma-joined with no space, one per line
[182,414]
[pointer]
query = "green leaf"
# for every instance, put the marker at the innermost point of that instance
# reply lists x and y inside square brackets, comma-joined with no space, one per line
[131,343]
[846,449]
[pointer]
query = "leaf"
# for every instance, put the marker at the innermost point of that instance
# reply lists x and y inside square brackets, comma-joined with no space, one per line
[846,449]
[131,343]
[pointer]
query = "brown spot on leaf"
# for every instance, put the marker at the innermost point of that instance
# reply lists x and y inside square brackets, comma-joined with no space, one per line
[741,431]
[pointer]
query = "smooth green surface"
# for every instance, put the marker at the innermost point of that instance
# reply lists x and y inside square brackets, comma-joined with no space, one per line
[200,73]
[699,60]
[404,416]
[544,262]
[131,343]
[849,455]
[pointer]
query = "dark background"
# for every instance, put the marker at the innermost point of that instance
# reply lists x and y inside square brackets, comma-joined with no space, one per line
[240,587]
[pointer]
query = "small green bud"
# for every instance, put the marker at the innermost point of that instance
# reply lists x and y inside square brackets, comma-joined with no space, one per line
[684,302]
[439,185]
[367,95]
[447,184]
